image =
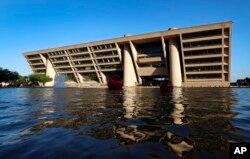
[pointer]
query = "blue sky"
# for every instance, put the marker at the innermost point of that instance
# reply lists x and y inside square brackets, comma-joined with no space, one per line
[27,25]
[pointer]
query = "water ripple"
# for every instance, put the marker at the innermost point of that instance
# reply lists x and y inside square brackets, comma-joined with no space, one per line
[129,123]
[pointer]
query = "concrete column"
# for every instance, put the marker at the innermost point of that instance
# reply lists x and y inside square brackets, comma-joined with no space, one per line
[164,50]
[134,56]
[104,78]
[72,67]
[118,51]
[50,72]
[165,55]
[129,75]
[80,77]
[175,65]
[91,54]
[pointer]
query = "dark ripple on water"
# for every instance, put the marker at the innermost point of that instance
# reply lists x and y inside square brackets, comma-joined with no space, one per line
[131,123]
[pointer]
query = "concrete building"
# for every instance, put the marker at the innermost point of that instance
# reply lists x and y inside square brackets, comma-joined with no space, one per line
[197,56]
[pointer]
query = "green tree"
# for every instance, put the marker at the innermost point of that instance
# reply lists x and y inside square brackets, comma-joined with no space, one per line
[39,78]
[247,81]
[1,75]
[22,80]
[13,76]
[8,76]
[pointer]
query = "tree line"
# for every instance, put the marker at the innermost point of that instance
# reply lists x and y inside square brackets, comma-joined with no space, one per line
[243,82]
[13,78]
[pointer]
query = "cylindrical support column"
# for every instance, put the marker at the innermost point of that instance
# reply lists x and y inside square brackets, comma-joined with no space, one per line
[50,72]
[175,65]
[129,75]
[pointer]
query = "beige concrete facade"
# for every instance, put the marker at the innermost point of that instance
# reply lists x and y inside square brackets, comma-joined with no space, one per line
[197,56]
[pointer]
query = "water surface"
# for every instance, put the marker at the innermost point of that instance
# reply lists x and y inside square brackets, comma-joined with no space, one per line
[131,123]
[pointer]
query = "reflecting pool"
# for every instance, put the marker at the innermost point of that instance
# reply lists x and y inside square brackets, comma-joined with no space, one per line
[130,123]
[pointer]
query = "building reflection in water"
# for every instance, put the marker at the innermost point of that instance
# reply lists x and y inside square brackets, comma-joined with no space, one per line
[154,107]
[184,121]
[128,134]
[129,102]
[179,145]
[177,112]
[210,119]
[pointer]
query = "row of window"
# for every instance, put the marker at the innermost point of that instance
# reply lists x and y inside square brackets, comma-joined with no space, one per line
[204,76]
[107,60]
[105,46]
[63,69]
[59,58]
[110,66]
[150,48]
[56,53]
[203,60]
[202,52]
[81,57]
[38,66]
[203,68]
[110,53]
[202,43]
[202,34]
[36,61]
[33,56]
[82,62]
[78,50]
[62,64]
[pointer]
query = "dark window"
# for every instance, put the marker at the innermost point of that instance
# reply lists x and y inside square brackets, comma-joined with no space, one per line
[203,68]
[202,43]
[204,76]
[150,48]
[202,34]
[202,52]
[204,60]
[33,56]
